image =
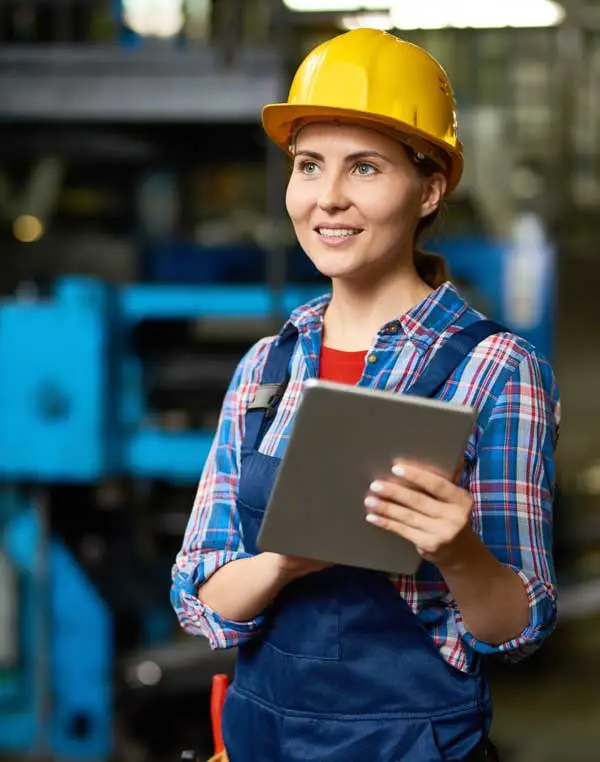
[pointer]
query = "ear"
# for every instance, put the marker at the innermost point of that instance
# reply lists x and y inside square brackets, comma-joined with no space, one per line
[434,189]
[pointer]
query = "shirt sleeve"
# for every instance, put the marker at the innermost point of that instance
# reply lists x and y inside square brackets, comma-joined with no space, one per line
[213,535]
[512,484]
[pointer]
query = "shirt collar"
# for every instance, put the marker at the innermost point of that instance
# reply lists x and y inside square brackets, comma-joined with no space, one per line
[307,317]
[421,325]
[427,320]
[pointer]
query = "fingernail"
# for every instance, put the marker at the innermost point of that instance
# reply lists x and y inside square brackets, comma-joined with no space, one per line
[398,470]
[377,487]
[371,502]
[372,518]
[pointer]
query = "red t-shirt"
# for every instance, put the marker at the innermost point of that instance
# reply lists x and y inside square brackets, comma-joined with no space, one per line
[343,367]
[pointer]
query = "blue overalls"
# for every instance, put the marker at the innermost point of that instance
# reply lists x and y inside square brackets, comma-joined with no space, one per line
[345,672]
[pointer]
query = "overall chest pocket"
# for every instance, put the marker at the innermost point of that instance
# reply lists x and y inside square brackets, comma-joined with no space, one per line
[303,620]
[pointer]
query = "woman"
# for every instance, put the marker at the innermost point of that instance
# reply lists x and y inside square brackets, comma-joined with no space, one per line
[339,664]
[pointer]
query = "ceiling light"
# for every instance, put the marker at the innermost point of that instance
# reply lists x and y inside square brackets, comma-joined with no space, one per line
[335,6]
[475,14]
[154,18]
[367,21]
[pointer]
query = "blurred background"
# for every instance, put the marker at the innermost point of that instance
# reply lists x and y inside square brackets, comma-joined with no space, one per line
[144,247]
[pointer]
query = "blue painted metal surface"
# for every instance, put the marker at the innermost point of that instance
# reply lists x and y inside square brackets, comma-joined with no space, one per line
[81,661]
[497,271]
[141,302]
[72,403]
[64,628]
[54,404]
[178,457]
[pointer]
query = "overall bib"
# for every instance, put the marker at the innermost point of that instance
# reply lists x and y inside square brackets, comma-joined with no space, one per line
[345,671]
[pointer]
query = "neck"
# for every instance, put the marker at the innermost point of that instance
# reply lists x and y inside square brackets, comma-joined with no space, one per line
[357,311]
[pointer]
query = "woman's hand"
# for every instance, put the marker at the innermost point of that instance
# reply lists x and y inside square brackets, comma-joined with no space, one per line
[425,508]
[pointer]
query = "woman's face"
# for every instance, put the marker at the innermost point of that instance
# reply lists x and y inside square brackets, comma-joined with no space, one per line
[355,199]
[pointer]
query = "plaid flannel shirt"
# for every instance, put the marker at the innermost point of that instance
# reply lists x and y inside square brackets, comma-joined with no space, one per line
[509,469]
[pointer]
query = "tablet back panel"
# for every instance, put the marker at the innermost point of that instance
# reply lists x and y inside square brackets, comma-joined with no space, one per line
[343,438]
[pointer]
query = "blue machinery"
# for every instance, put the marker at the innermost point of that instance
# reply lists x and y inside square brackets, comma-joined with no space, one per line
[73,410]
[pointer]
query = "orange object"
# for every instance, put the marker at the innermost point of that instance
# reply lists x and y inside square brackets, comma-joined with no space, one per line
[218,691]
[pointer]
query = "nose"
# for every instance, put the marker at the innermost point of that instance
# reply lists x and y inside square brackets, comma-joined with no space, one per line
[333,196]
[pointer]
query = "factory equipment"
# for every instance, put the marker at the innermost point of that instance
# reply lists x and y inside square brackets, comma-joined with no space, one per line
[76,419]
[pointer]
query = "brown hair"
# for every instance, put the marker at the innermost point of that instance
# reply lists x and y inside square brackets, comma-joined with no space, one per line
[432,268]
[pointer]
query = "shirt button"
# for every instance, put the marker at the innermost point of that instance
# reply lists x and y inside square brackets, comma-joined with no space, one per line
[393,328]
[372,358]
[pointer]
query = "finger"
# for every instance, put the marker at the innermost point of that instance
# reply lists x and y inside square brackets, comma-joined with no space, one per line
[417,536]
[435,485]
[400,513]
[416,500]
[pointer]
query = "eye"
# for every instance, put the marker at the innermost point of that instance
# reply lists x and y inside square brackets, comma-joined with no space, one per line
[364,169]
[308,167]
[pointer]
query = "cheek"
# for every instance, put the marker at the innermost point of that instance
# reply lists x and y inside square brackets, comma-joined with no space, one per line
[391,211]
[296,202]
[381,215]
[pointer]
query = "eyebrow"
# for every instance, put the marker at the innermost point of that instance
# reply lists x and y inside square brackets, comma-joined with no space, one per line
[356,156]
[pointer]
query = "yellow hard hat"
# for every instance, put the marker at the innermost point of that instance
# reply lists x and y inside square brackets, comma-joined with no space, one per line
[372,77]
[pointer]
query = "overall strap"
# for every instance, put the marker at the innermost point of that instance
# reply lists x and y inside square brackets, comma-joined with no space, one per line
[451,355]
[261,409]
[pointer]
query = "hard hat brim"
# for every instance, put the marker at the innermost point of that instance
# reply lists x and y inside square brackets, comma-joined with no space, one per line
[278,120]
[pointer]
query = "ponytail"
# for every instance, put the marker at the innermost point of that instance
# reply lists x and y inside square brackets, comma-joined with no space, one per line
[432,268]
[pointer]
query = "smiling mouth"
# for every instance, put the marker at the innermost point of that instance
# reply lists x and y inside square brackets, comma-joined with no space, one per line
[338,232]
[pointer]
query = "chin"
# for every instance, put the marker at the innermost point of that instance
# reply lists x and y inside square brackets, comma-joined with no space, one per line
[358,273]
[339,272]
[343,265]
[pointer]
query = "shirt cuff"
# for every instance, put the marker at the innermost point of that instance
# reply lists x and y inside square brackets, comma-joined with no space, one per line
[196,618]
[542,621]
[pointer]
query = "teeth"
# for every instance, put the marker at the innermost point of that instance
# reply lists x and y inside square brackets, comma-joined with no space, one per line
[337,232]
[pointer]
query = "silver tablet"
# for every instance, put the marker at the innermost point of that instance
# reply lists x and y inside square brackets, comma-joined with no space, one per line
[342,439]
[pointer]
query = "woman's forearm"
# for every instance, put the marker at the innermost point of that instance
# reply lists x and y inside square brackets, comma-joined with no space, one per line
[242,589]
[490,596]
